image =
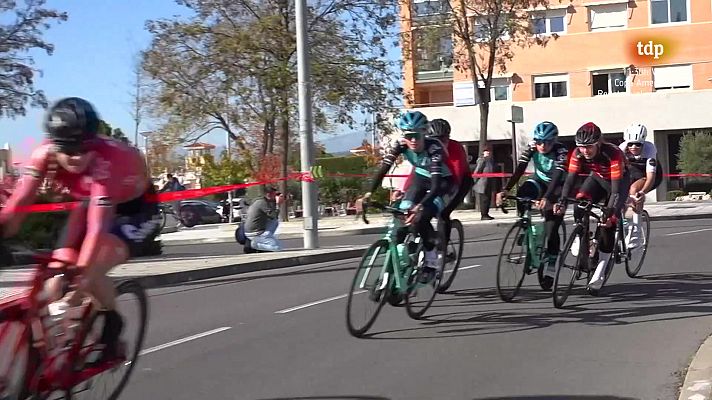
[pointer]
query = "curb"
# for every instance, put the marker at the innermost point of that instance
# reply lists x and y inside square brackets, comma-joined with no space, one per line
[698,381]
[174,278]
[680,217]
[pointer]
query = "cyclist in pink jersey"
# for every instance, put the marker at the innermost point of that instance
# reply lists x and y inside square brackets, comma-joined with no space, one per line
[116,216]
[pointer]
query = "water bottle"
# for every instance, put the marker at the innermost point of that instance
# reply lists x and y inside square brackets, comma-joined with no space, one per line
[402,255]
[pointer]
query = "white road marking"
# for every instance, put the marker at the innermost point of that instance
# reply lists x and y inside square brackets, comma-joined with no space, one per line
[686,232]
[184,340]
[316,303]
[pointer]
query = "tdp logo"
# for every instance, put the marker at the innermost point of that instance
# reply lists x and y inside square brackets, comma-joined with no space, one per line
[651,49]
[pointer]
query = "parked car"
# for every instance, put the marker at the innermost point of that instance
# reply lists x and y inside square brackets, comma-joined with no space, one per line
[239,208]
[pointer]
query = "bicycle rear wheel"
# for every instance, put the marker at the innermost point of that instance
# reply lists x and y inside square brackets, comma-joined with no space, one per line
[369,288]
[453,255]
[107,379]
[635,257]
[419,296]
[512,262]
[568,268]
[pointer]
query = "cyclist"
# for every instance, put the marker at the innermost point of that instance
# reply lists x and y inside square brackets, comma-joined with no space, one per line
[431,179]
[645,175]
[605,165]
[549,158]
[115,218]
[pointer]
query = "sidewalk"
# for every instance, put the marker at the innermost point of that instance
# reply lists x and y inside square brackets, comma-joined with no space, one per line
[350,225]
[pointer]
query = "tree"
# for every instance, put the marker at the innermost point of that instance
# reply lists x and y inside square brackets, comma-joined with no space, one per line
[246,51]
[106,130]
[695,157]
[139,97]
[20,33]
[485,33]
[227,171]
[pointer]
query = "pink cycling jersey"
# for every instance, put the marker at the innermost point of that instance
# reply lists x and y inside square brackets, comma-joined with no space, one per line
[116,174]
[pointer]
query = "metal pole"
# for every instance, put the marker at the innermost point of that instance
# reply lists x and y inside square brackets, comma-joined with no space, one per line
[229,194]
[309,189]
[514,146]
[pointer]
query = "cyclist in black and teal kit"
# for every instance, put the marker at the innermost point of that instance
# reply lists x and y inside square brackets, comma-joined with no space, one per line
[549,158]
[430,180]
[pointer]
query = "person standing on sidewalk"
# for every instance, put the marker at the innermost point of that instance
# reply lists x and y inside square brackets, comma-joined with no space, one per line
[262,221]
[483,185]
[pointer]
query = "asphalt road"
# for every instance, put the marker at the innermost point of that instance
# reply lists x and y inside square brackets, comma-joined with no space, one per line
[281,334]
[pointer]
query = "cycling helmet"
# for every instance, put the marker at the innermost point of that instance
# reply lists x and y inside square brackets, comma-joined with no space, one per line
[635,133]
[439,128]
[546,131]
[71,121]
[587,134]
[413,121]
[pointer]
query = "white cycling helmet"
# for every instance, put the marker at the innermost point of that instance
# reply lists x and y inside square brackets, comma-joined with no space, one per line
[635,133]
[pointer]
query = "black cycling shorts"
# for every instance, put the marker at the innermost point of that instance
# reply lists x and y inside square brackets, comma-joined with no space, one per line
[137,222]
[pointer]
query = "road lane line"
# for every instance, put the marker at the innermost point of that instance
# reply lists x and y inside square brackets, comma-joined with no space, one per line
[686,232]
[316,303]
[184,340]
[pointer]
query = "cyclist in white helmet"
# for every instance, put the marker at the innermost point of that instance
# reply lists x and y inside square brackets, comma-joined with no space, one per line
[645,174]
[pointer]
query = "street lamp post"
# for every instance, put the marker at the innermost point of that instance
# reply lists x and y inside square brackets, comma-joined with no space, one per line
[309,189]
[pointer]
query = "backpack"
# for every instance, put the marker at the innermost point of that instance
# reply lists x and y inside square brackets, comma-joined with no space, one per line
[240,234]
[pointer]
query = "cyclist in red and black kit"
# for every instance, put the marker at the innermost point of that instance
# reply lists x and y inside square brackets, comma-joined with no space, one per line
[605,165]
[116,216]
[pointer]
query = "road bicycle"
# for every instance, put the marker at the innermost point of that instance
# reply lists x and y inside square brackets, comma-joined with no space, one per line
[42,357]
[579,258]
[523,251]
[391,270]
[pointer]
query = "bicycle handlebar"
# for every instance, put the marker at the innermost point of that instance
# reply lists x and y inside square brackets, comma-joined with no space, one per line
[389,209]
[517,198]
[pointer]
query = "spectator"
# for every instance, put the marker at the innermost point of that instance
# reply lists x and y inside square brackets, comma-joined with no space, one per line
[173,185]
[262,222]
[483,185]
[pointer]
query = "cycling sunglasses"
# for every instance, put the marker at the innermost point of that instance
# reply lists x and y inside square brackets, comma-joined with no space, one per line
[412,135]
[542,142]
[71,150]
[635,144]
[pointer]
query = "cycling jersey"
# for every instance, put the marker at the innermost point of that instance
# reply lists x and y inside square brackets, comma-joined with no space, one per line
[456,162]
[116,176]
[429,163]
[646,161]
[548,167]
[609,165]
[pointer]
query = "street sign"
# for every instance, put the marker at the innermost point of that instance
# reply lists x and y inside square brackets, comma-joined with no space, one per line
[517,115]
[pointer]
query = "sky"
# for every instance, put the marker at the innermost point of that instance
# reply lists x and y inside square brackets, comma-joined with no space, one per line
[95,50]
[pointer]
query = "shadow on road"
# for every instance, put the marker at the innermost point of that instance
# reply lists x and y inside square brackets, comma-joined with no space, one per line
[330,398]
[557,397]
[477,312]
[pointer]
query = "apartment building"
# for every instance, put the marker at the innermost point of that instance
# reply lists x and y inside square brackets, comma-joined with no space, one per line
[613,62]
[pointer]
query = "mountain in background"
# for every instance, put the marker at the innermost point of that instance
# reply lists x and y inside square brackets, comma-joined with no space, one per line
[343,143]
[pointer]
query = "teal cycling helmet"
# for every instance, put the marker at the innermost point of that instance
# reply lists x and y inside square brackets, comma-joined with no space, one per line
[413,121]
[546,131]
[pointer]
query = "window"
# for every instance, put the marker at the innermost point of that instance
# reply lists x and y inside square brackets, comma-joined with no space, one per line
[548,22]
[434,49]
[667,11]
[499,89]
[485,28]
[423,8]
[605,82]
[608,16]
[551,86]
[673,77]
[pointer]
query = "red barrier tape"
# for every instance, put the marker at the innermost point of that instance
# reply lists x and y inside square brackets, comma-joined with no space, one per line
[298,176]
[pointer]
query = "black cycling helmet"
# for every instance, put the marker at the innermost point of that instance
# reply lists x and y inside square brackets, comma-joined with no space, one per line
[588,133]
[70,122]
[439,128]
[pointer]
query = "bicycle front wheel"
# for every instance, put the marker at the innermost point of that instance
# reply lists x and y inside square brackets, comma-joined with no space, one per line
[512,262]
[636,256]
[453,255]
[107,379]
[421,290]
[15,373]
[369,288]
[569,266]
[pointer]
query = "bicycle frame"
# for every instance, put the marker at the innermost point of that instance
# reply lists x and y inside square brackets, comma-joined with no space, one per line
[533,257]
[50,372]
[588,207]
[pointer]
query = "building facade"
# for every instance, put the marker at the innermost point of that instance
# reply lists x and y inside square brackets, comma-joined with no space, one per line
[612,62]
